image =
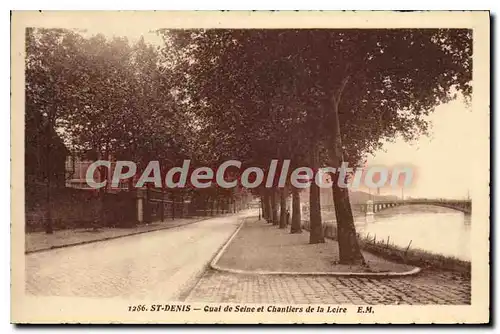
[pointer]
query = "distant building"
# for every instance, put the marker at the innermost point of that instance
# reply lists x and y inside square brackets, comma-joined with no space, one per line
[76,174]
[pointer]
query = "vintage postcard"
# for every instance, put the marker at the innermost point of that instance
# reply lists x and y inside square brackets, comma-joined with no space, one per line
[250,167]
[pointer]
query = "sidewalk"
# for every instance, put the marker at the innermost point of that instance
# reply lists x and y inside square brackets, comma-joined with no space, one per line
[38,241]
[259,246]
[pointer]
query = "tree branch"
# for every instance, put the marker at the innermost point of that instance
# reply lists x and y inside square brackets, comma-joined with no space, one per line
[336,149]
[338,95]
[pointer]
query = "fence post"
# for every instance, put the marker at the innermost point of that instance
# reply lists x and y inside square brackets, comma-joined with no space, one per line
[139,206]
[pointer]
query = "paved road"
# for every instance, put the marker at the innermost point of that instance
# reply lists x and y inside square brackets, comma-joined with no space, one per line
[156,265]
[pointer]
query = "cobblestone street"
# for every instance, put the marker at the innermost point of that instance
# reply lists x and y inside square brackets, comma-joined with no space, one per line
[162,264]
[425,288]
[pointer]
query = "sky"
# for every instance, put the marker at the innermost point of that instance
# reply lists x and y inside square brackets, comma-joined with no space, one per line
[442,167]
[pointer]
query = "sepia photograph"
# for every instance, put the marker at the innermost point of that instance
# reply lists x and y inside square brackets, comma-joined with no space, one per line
[250,167]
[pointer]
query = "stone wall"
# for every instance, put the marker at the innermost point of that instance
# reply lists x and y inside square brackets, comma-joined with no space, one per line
[77,208]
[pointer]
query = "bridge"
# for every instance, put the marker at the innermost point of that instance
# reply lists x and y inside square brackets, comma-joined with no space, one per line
[464,206]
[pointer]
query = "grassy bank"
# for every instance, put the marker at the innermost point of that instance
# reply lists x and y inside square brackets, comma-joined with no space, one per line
[405,255]
[414,256]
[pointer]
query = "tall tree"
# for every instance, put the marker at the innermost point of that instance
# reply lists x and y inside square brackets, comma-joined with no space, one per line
[52,91]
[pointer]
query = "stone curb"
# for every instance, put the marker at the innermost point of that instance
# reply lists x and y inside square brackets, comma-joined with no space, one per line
[213,263]
[111,238]
[216,267]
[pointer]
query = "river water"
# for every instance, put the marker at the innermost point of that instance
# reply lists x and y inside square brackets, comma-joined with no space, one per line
[431,228]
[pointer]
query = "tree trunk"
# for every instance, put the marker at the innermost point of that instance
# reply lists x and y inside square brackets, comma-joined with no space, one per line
[205,208]
[263,206]
[48,173]
[172,196]
[349,251]
[274,207]
[267,204]
[296,219]
[162,205]
[283,211]
[316,226]
[48,217]
[182,214]
[102,194]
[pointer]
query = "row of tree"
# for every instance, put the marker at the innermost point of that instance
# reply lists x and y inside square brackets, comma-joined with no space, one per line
[317,97]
